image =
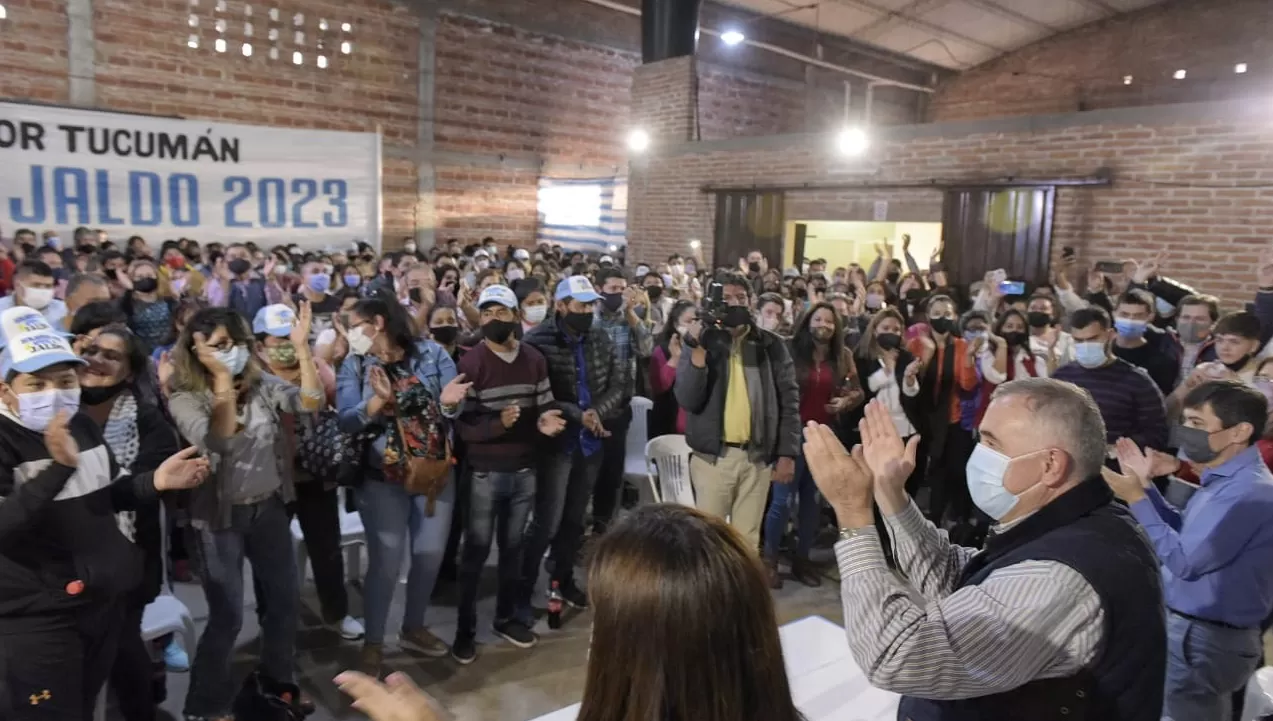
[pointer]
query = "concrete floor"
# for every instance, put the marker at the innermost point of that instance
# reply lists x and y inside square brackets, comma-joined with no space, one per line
[504,684]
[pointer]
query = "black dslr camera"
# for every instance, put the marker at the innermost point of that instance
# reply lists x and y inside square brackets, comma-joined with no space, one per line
[714,337]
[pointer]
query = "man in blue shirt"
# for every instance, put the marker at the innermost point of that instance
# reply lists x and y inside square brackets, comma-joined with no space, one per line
[1217,555]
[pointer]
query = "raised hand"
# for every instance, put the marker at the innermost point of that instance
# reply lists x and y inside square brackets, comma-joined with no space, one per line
[207,355]
[59,442]
[453,393]
[395,700]
[843,478]
[1148,269]
[268,269]
[891,461]
[551,423]
[912,370]
[182,470]
[1128,489]
[301,327]
[164,370]
[1162,464]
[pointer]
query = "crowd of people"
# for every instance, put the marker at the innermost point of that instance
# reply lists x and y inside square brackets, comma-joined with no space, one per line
[482,394]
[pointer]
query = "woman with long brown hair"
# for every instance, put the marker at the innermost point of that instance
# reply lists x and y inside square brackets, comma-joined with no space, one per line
[828,389]
[661,646]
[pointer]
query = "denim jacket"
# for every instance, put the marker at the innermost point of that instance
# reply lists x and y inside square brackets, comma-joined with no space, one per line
[431,364]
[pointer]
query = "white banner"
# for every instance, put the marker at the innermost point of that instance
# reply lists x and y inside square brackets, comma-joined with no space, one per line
[164,178]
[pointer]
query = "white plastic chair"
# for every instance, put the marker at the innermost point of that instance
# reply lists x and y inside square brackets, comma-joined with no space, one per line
[667,460]
[352,538]
[638,434]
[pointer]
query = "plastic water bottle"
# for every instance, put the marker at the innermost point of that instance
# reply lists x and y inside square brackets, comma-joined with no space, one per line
[555,603]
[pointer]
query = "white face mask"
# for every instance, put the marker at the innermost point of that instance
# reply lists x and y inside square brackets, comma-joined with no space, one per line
[234,359]
[535,314]
[769,324]
[409,247]
[1090,354]
[682,330]
[37,298]
[985,472]
[482,264]
[359,342]
[515,274]
[37,410]
[676,270]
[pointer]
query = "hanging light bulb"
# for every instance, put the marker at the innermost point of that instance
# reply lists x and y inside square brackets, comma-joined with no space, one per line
[247,50]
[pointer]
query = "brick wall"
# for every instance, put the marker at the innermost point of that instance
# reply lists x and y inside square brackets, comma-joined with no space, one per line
[662,99]
[1196,181]
[33,60]
[1084,69]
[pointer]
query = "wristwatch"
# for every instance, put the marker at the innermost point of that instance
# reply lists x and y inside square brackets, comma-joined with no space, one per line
[847,533]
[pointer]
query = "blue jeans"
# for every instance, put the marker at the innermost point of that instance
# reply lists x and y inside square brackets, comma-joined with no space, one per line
[1206,664]
[562,493]
[498,503]
[259,532]
[393,518]
[801,490]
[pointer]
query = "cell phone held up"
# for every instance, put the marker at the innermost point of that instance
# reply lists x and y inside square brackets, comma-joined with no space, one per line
[1110,266]
[1012,287]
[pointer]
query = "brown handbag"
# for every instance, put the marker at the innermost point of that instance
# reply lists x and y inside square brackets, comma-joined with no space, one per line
[425,476]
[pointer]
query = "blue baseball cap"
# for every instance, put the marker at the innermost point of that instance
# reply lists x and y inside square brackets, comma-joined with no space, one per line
[276,320]
[501,294]
[30,343]
[577,287]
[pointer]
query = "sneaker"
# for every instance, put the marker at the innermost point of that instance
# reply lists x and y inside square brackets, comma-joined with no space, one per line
[175,658]
[515,633]
[573,597]
[350,629]
[371,659]
[423,642]
[464,650]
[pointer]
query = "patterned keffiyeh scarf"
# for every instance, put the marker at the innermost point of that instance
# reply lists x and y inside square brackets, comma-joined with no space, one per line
[122,439]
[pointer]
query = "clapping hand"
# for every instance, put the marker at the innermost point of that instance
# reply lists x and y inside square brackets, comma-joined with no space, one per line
[453,393]
[551,423]
[301,326]
[60,443]
[397,699]
[912,370]
[181,471]
[1129,485]
[592,421]
[843,478]
[509,415]
[889,459]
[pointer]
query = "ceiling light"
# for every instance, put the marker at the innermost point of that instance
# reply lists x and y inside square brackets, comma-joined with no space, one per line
[247,50]
[638,141]
[322,62]
[192,42]
[3,13]
[852,141]
[220,45]
[1127,80]
[1239,68]
[346,47]
[732,37]
[297,58]
[1180,74]
[346,27]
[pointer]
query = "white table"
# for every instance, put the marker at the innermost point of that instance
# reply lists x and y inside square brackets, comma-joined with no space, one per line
[826,683]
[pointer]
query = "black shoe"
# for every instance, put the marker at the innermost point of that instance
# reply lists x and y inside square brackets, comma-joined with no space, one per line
[515,633]
[573,597]
[464,650]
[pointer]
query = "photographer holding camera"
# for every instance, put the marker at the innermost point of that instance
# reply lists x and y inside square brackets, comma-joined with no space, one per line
[737,385]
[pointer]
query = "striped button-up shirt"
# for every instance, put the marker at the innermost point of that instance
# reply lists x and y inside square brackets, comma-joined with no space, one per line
[1028,621]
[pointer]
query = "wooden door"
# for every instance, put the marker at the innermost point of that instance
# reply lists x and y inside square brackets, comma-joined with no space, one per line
[985,228]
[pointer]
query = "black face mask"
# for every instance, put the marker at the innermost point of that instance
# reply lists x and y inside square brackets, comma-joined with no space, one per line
[654,291]
[112,273]
[580,323]
[145,285]
[893,277]
[735,316]
[1038,319]
[239,266]
[889,341]
[498,331]
[444,334]
[941,325]
[753,267]
[95,396]
[612,301]
[416,295]
[1239,364]
[914,295]
[799,293]
[1016,338]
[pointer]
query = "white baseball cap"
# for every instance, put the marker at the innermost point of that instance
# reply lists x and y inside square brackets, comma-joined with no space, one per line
[577,287]
[501,294]
[521,254]
[276,320]
[30,343]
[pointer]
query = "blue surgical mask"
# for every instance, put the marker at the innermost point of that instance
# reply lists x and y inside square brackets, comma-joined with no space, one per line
[1130,329]
[1090,354]
[319,282]
[972,335]
[234,359]
[985,472]
[1164,308]
[352,280]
